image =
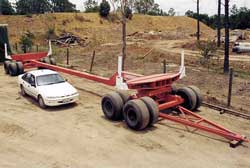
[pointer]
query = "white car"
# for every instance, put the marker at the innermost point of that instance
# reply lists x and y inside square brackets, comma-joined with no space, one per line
[48,87]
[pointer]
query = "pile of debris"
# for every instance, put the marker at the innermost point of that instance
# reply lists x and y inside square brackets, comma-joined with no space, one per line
[68,39]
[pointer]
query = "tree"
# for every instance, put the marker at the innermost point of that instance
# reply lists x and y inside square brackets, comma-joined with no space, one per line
[171,12]
[219,24]
[226,56]
[32,6]
[91,6]
[104,8]
[62,6]
[6,8]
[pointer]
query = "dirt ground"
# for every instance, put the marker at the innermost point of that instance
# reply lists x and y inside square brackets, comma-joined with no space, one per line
[75,136]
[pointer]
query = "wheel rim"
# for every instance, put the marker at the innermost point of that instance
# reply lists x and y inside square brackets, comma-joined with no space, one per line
[22,91]
[41,102]
[108,108]
[132,117]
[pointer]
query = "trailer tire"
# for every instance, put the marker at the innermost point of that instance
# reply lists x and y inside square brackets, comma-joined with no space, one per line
[174,90]
[189,98]
[153,110]
[52,61]
[199,98]
[6,66]
[20,68]
[13,69]
[124,95]
[112,104]
[136,114]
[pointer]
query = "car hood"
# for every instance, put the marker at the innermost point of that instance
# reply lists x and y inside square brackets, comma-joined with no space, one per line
[59,89]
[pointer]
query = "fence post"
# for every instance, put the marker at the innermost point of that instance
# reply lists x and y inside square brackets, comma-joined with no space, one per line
[67,56]
[16,46]
[164,66]
[92,61]
[230,87]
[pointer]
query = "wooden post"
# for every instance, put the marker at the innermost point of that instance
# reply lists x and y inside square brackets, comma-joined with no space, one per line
[198,20]
[16,46]
[164,66]
[230,87]
[37,49]
[67,56]
[92,61]
[124,44]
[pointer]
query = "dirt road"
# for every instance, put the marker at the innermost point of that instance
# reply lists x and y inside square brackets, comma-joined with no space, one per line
[76,136]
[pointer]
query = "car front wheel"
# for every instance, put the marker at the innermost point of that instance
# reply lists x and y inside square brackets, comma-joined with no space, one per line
[41,102]
[23,93]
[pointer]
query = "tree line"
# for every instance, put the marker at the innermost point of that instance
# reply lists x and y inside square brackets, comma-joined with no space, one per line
[238,19]
[23,7]
[146,7]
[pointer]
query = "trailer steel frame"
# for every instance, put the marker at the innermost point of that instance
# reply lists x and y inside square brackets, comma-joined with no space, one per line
[158,87]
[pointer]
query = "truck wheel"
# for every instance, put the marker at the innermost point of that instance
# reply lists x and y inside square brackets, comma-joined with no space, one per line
[199,99]
[52,61]
[41,102]
[189,97]
[13,69]
[153,110]
[6,66]
[124,95]
[136,114]
[23,93]
[20,69]
[112,104]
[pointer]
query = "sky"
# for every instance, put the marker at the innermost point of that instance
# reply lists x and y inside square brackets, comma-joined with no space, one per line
[181,6]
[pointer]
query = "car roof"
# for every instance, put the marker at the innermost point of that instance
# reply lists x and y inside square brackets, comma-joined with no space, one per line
[41,72]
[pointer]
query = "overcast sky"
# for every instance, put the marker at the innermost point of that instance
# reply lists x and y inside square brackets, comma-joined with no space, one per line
[181,6]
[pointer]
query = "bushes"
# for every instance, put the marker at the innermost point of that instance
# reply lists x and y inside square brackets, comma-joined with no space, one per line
[128,13]
[26,41]
[104,9]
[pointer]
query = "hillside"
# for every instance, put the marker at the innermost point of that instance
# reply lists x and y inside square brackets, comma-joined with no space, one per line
[90,25]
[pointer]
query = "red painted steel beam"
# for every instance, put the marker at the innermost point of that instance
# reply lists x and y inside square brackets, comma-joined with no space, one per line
[215,129]
[108,81]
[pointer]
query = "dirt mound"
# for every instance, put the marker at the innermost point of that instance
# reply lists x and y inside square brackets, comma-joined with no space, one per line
[90,25]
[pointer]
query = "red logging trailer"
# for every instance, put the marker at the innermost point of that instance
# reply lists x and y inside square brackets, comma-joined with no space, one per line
[155,97]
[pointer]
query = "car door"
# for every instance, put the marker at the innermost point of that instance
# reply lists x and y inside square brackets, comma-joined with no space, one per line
[25,83]
[33,87]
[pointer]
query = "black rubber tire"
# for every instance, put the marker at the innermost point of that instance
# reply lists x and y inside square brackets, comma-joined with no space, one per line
[136,114]
[153,110]
[124,95]
[47,60]
[174,90]
[112,105]
[189,97]
[6,66]
[52,61]
[41,102]
[23,93]
[13,69]
[20,68]
[199,98]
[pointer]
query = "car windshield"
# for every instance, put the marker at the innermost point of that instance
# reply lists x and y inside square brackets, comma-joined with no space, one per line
[49,79]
